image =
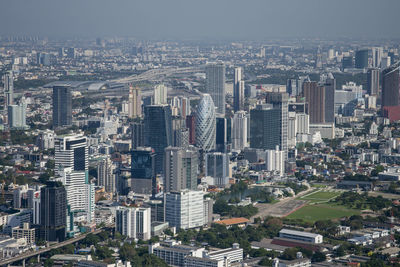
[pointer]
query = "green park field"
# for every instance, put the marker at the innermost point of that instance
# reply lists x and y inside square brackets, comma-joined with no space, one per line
[312,213]
[320,196]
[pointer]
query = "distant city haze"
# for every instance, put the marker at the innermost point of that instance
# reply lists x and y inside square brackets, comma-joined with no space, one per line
[201,19]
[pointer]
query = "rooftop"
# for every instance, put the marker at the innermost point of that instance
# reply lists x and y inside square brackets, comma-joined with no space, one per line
[233,221]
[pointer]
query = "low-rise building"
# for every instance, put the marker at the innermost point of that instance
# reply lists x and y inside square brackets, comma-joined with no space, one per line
[24,232]
[301,236]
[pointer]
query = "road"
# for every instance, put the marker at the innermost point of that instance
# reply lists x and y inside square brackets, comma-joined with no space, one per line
[30,254]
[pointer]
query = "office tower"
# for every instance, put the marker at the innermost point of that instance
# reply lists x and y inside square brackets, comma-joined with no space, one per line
[330,88]
[184,209]
[180,134]
[299,84]
[331,54]
[377,53]
[217,167]
[386,62]
[8,89]
[268,127]
[133,222]
[45,140]
[361,59]
[137,131]
[221,134]
[71,53]
[318,59]
[53,211]
[205,122]
[291,87]
[238,90]
[302,123]
[314,95]
[135,102]
[275,160]
[62,106]
[158,131]
[215,85]
[280,101]
[239,130]
[292,129]
[160,94]
[71,165]
[191,125]
[347,62]
[17,116]
[373,82]
[346,99]
[181,105]
[143,170]
[181,167]
[105,175]
[391,92]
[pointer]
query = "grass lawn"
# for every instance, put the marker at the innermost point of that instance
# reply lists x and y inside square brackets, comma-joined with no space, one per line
[320,196]
[312,213]
[318,185]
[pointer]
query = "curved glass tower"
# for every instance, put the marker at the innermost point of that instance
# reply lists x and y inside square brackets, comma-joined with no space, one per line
[205,123]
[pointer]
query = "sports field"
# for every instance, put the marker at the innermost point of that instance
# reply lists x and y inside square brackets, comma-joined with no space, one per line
[320,196]
[312,213]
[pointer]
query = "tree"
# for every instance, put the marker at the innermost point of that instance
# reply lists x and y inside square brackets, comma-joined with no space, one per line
[318,257]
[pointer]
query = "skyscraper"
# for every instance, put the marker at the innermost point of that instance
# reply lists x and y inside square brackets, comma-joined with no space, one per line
[239,130]
[269,123]
[160,94]
[53,211]
[62,106]
[373,82]
[221,134]
[135,102]
[275,160]
[17,116]
[8,89]
[143,170]
[377,53]
[184,209]
[217,167]
[315,97]
[158,131]
[330,88]
[205,124]
[238,90]
[215,85]
[347,62]
[361,59]
[133,222]
[191,125]
[291,87]
[105,175]
[71,165]
[181,166]
[137,131]
[391,92]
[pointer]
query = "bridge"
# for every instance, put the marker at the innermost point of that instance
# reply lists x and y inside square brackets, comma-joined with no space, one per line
[22,257]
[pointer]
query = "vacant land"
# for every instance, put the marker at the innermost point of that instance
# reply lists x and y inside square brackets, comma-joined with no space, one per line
[312,213]
[320,196]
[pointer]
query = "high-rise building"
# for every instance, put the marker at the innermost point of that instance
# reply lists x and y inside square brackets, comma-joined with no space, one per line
[53,211]
[330,88]
[215,85]
[291,87]
[137,131]
[361,59]
[181,167]
[347,62]
[315,97]
[184,209]
[386,62]
[238,90]
[373,76]
[143,170]
[158,131]
[135,102]
[133,222]
[182,106]
[269,124]
[205,122]
[191,125]
[217,167]
[275,160]
[239,130]
[160,94]
[105,175]
[8,89]
[377,53]
[17,116]
[391,92]
[62,106]
[221,133]
[71,164]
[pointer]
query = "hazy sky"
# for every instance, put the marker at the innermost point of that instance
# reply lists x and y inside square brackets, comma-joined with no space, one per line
[196,19]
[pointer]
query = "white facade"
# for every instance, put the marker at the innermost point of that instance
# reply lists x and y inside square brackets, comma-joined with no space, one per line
[134,102]
[239,130]
[184,209]
[301,236]
[134,222]
[17,116]
[160,94]
[274,160]
[205,123]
